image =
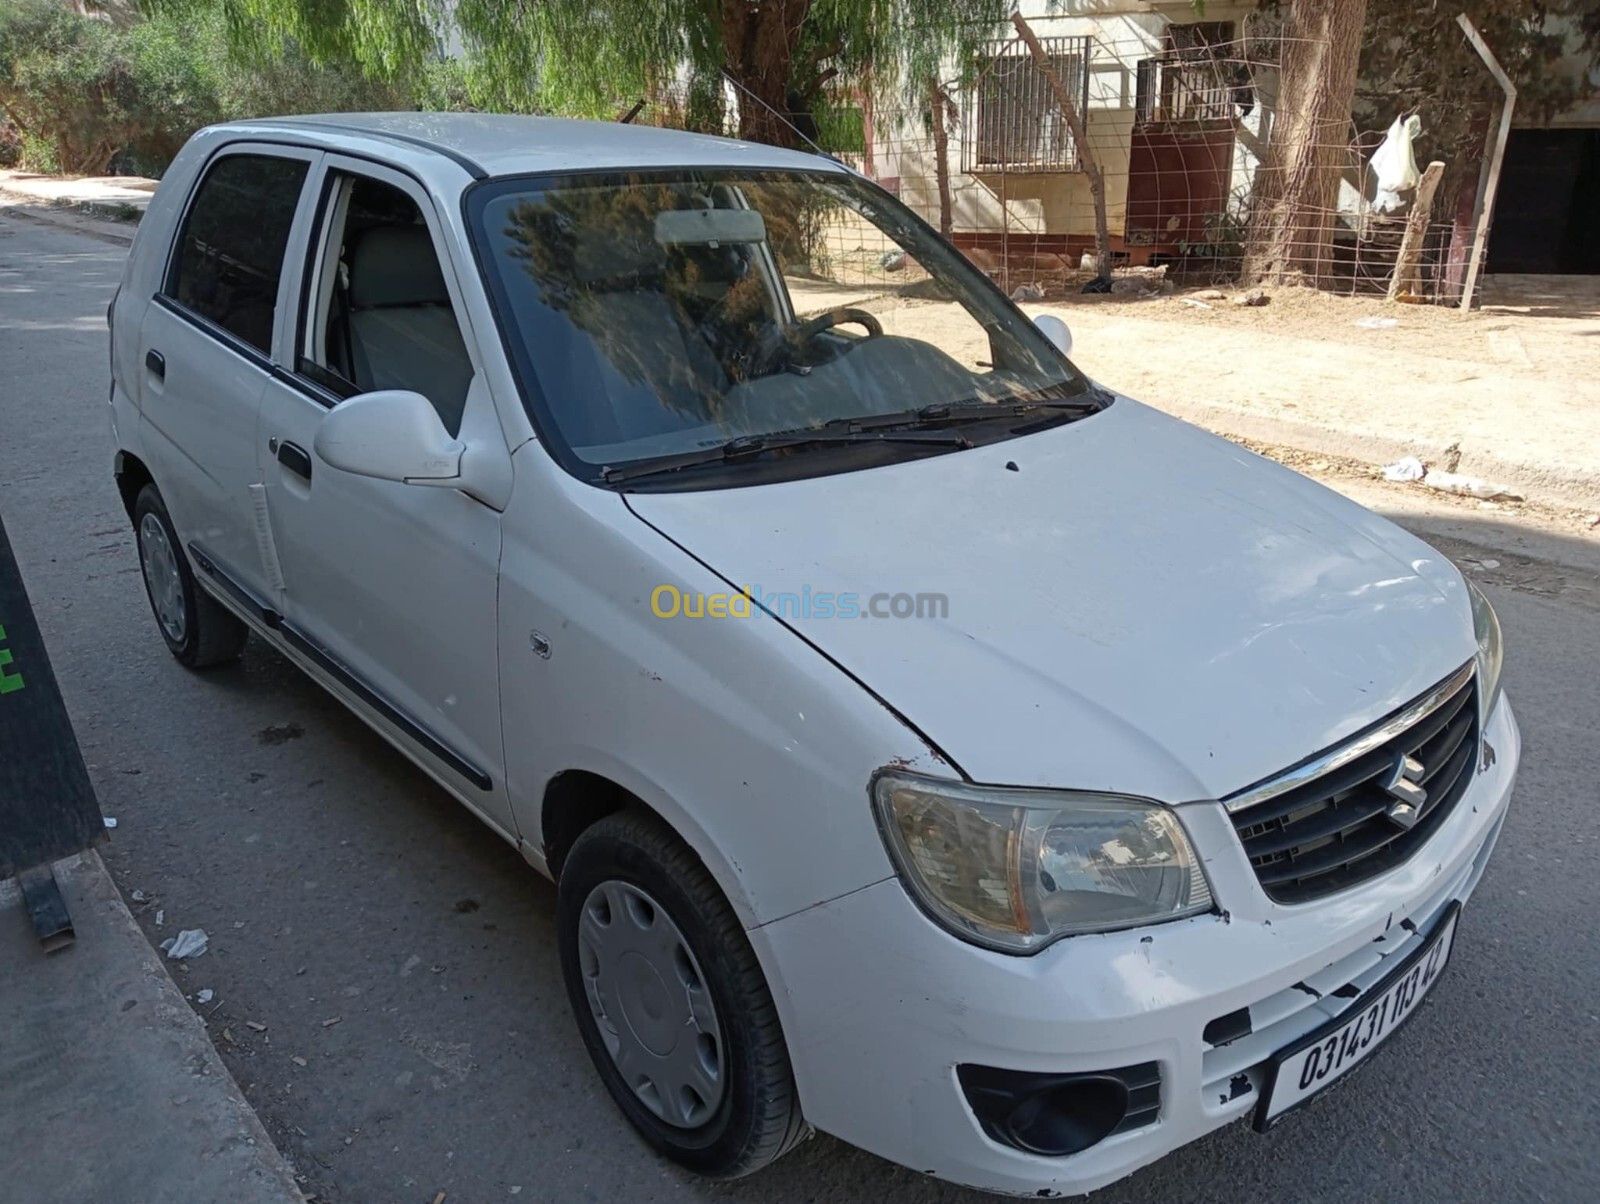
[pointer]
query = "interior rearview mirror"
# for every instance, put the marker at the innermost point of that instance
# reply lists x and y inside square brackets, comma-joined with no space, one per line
[1054,329]
[393,435]
[707,227]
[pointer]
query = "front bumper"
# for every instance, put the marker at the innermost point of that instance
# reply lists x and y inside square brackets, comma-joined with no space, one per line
[880,1006]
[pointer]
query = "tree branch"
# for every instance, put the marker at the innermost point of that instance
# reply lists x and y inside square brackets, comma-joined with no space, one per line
[1080,139]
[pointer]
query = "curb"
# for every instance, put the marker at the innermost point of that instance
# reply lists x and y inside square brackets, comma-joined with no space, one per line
[1558,487]
[269,1172]
[124,1042]
[94,218]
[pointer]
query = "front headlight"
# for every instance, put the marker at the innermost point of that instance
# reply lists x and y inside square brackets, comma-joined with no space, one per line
[1015,869]
[1486,625]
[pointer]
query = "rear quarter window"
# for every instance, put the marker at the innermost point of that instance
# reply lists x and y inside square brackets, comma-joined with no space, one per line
[230,250]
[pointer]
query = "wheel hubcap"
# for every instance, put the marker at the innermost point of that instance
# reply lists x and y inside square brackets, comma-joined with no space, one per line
[651,1004]
[160,563]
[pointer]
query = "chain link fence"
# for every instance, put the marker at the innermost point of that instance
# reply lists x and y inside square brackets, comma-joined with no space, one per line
[1181,119]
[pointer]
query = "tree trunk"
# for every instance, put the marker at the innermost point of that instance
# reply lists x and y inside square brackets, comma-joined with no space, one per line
[939,106]
[1297,184]
[759,37]
[1080,139]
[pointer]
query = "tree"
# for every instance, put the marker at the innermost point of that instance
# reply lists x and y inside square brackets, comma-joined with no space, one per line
[1080,137]
[941,110]
[596,57]
[1416,56]
[1297,186]
[82,91]
[1373,59]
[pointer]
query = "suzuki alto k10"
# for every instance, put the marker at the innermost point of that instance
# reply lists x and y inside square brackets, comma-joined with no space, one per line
[931,746]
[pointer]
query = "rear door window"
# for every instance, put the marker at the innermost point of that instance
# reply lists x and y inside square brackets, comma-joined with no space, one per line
[230,251]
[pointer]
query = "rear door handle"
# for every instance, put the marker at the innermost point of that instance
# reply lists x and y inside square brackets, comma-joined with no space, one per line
[156,363]
[294,457]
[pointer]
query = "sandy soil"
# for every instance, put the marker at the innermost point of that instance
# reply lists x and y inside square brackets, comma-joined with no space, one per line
[1515,383]
[1529,325]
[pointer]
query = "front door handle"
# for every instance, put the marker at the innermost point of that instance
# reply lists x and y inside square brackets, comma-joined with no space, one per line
[156,363]
[295,458]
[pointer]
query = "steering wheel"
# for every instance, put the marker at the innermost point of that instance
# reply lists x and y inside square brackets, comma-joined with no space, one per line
[794,339]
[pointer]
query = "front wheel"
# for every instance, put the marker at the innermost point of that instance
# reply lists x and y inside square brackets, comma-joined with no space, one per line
[671,1001]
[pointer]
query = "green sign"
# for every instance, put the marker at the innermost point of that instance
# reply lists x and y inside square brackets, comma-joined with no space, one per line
[10,680]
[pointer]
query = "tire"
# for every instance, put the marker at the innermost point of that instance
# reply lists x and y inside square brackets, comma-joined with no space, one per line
[196,627]
[633,856]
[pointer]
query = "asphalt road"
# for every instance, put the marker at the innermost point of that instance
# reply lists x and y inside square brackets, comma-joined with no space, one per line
[408,957]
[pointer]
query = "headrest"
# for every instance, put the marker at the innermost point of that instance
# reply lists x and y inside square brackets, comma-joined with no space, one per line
[396,265]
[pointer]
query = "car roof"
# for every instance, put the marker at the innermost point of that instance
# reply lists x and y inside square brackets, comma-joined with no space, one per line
[499,144]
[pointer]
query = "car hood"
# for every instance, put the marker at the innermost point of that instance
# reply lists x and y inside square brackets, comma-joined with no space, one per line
[1133,605]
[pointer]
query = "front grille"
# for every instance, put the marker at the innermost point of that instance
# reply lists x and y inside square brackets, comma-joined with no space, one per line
[1334,821]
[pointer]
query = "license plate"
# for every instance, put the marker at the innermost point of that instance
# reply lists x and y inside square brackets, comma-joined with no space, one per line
[1323,1057]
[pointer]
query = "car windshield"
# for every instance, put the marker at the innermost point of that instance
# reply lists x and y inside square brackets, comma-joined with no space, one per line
[657,317]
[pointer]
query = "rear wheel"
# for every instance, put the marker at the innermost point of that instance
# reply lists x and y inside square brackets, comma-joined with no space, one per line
[671,1001]
[196,627]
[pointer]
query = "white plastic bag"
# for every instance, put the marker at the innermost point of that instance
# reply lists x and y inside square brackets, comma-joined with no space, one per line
[1395,165]
[191,942]
[1407,468]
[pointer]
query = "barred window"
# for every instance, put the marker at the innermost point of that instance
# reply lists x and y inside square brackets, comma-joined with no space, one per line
[1015,123]
[1199,76]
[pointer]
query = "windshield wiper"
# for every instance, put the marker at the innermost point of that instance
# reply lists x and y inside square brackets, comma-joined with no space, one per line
[753,445]
[940,414]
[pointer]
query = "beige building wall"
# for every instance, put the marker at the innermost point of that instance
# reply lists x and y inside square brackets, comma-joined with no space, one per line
[1124,32]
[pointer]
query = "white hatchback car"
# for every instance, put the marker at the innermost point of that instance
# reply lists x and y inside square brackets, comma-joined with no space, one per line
[931,746]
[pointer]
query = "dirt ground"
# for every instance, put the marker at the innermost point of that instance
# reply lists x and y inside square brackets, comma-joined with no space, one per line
[1366,484]
[1528,324]
[1514,384]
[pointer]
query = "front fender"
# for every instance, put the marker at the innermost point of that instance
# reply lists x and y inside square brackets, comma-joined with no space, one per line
[754,746]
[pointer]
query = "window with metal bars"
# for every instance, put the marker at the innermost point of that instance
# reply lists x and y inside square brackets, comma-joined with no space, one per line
[1014,122]
[1198,76]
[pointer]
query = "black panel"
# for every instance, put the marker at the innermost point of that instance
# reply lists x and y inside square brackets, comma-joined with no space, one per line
[1225,1030]
[47,805]
[1547,212]
[1009,1104]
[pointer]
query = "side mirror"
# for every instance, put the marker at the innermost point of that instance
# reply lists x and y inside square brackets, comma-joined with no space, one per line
[1054,329]
[393,435]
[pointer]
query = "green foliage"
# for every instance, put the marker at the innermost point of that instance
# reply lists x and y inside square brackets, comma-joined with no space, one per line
[1415,56]
[841,128]
[63,85]
[596,58]
[84,96]
[177,89]
[1420,50]
[37,154]
[455,84]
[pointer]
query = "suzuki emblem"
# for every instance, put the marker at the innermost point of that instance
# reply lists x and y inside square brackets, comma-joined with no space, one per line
[1402,783]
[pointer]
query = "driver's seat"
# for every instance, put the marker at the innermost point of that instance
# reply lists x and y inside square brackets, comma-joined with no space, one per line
[644,336]
[403,331]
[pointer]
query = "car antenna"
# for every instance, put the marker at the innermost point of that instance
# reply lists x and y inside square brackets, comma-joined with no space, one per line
[627,118]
